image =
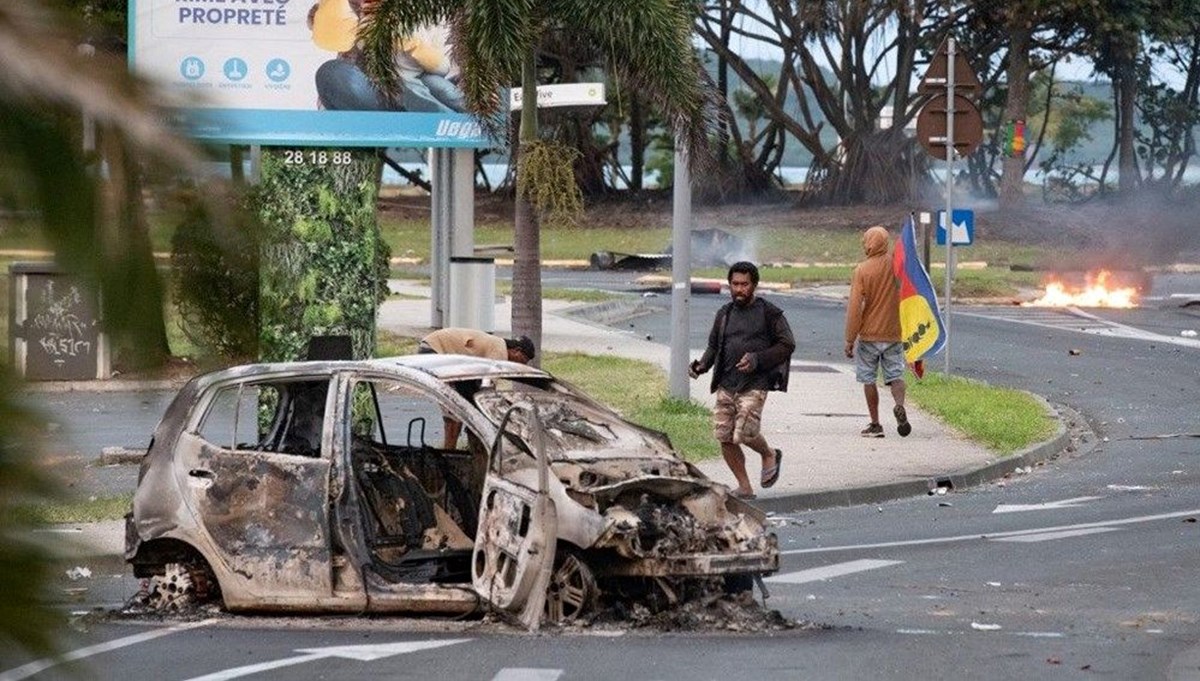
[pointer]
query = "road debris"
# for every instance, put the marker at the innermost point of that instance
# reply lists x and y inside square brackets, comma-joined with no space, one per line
[78,573]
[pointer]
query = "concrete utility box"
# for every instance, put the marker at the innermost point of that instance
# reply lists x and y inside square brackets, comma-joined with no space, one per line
[472,293]
[54,330]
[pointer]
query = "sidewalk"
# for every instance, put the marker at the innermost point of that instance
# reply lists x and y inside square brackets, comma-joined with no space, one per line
[816,423]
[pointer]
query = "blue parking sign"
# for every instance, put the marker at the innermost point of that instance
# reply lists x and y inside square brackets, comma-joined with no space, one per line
[964,227]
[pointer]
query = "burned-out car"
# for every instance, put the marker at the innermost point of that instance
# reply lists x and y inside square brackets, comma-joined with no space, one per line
[329,486]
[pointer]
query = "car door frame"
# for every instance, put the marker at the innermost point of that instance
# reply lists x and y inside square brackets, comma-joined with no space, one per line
[518,532]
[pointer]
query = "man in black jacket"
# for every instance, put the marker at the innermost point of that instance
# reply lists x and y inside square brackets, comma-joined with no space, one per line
[749,348]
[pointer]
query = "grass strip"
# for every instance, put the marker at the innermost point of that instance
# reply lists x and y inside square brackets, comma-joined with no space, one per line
[1002,419]
[91,510]
[639,391]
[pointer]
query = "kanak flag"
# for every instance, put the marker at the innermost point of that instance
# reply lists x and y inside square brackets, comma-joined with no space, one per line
[921,327]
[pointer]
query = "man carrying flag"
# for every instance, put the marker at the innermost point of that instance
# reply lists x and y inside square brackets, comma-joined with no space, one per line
[873,331]
[921,330]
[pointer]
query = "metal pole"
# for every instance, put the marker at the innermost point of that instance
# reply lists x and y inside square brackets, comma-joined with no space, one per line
[439,252]
[949,192]
[681,260]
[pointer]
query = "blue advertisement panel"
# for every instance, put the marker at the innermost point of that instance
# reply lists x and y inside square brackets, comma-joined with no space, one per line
[289,73]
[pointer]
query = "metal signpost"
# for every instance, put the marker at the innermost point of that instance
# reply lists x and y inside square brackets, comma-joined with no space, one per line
[949,124]
[681,271]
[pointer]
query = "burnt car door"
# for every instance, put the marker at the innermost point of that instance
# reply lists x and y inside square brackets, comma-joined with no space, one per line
[518,526]
[255,469]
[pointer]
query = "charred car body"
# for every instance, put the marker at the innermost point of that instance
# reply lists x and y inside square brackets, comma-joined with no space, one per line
[327,487]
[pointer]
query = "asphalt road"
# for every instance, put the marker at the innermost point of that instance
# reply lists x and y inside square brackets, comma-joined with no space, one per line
[1083,567]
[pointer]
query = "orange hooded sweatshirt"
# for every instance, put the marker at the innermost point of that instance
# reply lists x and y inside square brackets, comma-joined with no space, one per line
[873,312]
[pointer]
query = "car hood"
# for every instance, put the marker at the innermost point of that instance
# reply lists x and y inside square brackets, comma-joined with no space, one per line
[576,429]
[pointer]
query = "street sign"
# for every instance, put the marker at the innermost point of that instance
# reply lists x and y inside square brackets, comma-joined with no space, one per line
[934,80]
[931,126]
[559,95]
[963,230]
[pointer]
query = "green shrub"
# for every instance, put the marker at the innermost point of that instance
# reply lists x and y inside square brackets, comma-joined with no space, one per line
[214,270]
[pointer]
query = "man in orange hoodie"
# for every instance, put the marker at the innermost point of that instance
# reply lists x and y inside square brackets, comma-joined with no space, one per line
[873,326]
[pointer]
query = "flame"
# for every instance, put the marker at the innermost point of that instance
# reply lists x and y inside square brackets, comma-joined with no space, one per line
[1096,293]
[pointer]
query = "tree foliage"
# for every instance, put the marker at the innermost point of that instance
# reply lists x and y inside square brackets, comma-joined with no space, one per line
[646,44]
[214,270]
[44,85]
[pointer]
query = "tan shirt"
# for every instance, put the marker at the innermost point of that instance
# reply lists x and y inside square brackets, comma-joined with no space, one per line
[873,311]
[456,341]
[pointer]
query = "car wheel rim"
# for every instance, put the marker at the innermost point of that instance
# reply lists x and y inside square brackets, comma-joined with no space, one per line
[571,591]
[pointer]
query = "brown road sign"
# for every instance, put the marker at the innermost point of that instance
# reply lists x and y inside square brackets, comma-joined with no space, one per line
[931,126]
[934,80]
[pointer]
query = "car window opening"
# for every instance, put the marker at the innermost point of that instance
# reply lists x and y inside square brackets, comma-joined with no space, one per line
[421,497]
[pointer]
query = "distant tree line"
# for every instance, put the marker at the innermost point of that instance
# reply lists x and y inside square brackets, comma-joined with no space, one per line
[834,68]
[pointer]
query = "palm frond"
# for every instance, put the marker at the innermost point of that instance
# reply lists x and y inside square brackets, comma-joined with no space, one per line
[649,44]
[25,621]
[385,23]
[43,68]
[494,38]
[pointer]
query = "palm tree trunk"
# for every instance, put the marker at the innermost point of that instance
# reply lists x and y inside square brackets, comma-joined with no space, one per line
[527,279]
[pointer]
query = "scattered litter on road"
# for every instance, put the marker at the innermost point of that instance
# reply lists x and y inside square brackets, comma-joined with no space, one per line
[1189,520]
[945,503]
[1073,352]
[79,572]
[985,627]
[1188,333]
[993,583]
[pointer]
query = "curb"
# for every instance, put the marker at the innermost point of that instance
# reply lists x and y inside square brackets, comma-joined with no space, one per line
[609,311]
[120,456]
[104,386]
[874,494]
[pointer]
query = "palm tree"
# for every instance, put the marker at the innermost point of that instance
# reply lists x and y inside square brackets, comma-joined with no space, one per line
[495,42]
[45,83]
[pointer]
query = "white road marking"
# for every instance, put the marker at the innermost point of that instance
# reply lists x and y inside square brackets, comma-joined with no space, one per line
[835,570]
[362,653]
[1044,506]
[1073,319]
[1026,634]
[527,674]
[1040,634]
[27,670]
[1050,536]
[994,535]
[921,632]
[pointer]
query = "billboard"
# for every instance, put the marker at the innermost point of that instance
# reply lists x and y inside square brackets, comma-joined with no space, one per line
[288,73]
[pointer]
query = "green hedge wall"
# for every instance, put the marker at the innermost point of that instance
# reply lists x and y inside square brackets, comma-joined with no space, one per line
[324,266]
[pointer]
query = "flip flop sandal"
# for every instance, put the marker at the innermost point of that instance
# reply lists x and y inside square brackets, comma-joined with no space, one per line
[744,496]
[771,475]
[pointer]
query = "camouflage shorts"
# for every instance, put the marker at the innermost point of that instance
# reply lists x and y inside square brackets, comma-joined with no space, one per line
[738,416]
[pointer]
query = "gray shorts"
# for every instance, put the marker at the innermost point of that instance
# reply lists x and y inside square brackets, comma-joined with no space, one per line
[871,356]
